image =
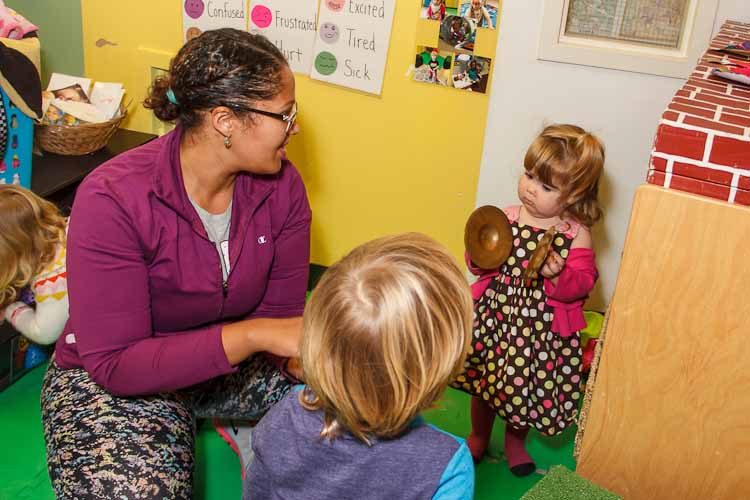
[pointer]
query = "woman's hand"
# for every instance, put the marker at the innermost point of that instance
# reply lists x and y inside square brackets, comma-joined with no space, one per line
[553,265]
[294,367]
[276,336]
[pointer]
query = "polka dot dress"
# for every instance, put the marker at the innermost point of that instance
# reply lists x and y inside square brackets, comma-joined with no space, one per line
[530,376]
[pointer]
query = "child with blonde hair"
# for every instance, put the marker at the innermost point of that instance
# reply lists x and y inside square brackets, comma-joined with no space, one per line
[384,333]
[32,252]
[524,363]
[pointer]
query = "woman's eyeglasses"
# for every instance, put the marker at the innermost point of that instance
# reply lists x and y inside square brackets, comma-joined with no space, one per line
[289,119]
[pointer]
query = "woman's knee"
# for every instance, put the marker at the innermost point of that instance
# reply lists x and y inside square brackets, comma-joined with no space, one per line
[103,446]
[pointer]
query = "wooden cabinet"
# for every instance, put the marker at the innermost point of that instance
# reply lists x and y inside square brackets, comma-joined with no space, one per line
[670,413]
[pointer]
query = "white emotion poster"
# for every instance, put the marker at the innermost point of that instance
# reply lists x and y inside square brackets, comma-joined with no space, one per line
[290,25]
[202,15]
[352,43]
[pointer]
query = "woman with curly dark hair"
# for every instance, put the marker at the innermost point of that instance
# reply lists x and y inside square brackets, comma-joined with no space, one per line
[187,266]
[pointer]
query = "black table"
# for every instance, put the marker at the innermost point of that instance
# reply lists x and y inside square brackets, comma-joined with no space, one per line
[56,177]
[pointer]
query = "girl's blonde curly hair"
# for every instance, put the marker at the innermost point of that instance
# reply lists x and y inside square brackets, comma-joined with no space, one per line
[31,229]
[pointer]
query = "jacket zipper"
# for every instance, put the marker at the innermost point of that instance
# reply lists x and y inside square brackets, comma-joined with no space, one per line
[224,287]
[224,282]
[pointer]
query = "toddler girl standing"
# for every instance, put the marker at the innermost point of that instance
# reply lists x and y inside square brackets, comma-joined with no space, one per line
[524,363]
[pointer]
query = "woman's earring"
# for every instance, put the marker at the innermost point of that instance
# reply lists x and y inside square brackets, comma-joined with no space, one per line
[227,142]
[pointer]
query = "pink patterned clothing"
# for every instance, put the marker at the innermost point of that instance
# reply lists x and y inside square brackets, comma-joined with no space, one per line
[44,324]
[525,359]
[13,25]
[436,12]
[573,285]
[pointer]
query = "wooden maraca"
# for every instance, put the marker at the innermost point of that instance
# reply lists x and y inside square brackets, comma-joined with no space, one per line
[488,237]
[536,261]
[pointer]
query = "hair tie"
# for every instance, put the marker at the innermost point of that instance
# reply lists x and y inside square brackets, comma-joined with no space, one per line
[171,97]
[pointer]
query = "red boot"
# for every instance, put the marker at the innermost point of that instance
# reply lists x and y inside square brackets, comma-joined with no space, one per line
[482,419]
[519,460]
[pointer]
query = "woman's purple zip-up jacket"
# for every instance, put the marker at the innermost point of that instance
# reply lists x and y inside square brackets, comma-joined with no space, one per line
[147,298]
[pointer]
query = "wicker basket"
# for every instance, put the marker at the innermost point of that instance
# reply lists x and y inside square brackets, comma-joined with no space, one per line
[77,139]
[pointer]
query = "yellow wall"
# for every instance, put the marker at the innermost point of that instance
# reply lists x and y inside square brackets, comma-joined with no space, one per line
[407,160]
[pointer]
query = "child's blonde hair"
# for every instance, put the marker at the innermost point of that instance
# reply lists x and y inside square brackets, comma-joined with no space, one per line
[571,160]
[385,331]
[30,231]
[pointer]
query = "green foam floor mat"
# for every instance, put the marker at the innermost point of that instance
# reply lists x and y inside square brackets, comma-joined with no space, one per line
[23,470]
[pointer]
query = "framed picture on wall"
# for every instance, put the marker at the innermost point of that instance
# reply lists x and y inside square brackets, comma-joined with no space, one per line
[660,37]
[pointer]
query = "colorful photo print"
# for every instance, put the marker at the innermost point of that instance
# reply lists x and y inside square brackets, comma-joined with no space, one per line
[433,66]
[482,13]
[471,73]
[435,10]
[71,93]
[457,34]
[56,116]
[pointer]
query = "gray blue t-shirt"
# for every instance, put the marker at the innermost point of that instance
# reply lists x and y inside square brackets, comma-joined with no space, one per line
[293,462]
[217,228]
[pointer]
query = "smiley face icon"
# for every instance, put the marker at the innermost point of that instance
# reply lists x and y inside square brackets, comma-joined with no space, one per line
[326,63]
[192,32]
[194,8]
[335,5]
[329,32]
[261,16]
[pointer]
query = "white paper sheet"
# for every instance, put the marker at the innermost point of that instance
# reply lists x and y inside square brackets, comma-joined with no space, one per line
[203,15]
[351,46]
[290,25]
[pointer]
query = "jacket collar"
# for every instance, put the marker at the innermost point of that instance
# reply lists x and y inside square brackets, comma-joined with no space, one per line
[250,191]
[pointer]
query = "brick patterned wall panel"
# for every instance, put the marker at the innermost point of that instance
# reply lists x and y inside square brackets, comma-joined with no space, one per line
[699,187]
[702,144]
[680,142]
[731,152]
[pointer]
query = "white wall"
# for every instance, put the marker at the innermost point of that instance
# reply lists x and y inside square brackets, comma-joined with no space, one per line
[736,10]
[622,108]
